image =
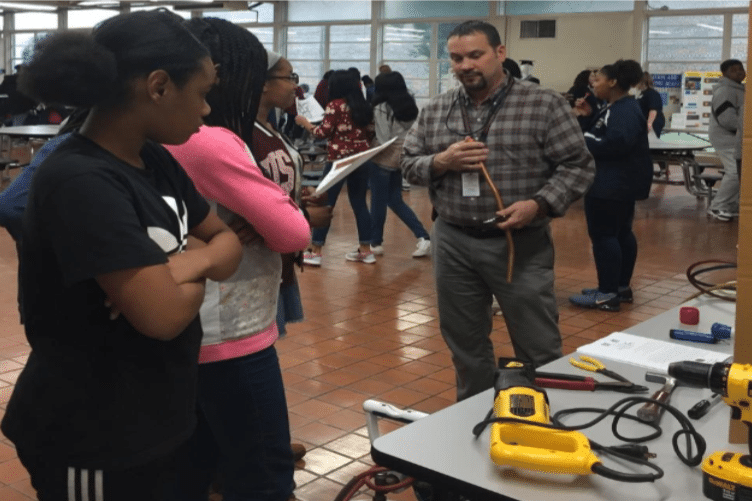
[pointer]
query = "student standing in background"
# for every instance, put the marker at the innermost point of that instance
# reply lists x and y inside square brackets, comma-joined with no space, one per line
[394,112]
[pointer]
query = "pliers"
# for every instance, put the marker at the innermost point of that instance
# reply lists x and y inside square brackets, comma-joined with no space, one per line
[583,383]
[593,365]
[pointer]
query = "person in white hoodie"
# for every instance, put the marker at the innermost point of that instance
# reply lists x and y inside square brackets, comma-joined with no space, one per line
[727,106]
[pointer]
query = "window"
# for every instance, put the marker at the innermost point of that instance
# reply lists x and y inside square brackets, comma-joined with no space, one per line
[306,52]
[34,21]
[23,47]
[400,9]
[88,18]
[265,36]
[553,7]
[676,44]
[407,49]
[739,28]
[694,4]
[307,11]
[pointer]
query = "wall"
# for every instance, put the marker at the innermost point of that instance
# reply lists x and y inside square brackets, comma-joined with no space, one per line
[743,329]
[592,40]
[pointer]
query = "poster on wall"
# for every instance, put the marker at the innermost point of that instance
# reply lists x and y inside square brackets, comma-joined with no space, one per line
[669,86]
[697,97]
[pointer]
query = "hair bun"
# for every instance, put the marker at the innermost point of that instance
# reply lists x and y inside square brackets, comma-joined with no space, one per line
[71,69]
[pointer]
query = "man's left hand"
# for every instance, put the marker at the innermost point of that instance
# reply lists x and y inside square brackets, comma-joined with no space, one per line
[518,215]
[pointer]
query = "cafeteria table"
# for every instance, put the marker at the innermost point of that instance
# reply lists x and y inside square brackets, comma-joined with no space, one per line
[441,449]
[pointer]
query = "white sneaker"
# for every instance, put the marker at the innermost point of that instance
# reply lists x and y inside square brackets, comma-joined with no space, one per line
[361,257]
[377,249]
[312,258]
[720,214]
[423,247]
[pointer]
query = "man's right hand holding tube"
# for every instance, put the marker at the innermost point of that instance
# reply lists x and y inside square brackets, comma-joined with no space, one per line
[462,156]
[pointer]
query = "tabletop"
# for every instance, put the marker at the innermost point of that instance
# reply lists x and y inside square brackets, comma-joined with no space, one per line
[681,142]
[44,131]
[443,451]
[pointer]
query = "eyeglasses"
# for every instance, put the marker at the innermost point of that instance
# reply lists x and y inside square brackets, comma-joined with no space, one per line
[293,77]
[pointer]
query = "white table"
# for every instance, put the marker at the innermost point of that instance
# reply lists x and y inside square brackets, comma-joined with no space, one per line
[441,449]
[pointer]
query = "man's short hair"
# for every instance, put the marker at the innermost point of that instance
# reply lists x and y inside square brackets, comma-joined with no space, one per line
[470,27]
[728,63]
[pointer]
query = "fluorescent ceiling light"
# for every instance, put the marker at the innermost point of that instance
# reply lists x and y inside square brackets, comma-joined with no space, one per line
[27,6]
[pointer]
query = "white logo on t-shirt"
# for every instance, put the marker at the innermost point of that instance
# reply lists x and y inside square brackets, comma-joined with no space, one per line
[167,241]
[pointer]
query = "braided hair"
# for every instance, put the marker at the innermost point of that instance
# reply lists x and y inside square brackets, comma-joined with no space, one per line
[241,71]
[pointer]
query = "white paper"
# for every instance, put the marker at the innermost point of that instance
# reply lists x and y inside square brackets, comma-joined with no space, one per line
[648,353]
[344,166]
[310,108]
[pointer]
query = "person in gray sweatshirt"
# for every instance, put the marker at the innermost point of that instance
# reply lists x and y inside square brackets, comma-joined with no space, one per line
[727,106]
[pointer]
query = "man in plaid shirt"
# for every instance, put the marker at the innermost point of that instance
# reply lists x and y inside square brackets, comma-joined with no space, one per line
[536,156]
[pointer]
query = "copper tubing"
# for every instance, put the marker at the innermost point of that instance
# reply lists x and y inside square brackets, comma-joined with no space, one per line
[507,232]
[500,205]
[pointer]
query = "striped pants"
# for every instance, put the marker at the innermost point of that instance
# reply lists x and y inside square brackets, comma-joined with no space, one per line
[60,483]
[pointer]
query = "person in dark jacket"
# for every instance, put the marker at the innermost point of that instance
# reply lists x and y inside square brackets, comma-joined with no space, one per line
[651,104]
[618,140]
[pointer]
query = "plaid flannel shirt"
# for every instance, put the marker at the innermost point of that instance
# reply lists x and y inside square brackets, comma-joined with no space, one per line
[536,149]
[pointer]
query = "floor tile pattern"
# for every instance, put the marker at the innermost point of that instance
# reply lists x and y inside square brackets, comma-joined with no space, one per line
[371,331]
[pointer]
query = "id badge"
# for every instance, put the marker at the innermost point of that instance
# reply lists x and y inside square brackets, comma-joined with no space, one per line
[470,184]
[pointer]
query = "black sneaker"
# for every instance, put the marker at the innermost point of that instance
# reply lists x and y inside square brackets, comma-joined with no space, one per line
[606,301]
[624,293]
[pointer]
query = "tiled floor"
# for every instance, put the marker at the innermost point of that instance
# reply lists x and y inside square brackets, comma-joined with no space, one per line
[372,330]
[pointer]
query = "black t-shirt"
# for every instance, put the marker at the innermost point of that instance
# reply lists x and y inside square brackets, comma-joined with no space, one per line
[96,393]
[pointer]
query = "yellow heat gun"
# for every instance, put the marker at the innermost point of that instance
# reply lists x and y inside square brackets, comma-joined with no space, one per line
[533,446]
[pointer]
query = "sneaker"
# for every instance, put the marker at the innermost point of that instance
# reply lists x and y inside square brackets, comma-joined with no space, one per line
[378,250]
[405,185]
[625,294]
[423,247]
[312,258]
[720,215]
[362,257]
[601,300]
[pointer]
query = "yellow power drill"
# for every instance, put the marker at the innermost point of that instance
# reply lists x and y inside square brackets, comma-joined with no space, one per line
[527,440]
[727,475]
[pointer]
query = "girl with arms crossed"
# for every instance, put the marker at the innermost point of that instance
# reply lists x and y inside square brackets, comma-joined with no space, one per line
[243,433]
[108,392]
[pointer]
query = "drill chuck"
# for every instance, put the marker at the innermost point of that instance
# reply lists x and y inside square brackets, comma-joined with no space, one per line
[712,376]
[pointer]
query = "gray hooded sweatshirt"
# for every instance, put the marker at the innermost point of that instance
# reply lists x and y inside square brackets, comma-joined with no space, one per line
[727,105]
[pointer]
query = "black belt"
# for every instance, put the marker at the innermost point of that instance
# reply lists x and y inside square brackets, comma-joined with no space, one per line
[479,231]
[489,231]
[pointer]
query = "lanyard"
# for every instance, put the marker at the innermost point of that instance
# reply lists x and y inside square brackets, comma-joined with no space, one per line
[493,110]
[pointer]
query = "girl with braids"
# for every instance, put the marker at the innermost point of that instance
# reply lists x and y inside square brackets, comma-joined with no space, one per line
[618,140]
[348,128]
[243,433]
[394,112]
[111,294]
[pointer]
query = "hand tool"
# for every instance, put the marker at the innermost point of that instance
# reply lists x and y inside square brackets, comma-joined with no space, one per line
[583,383]
[593,365]
[652,412]
[703,406]
[726,475]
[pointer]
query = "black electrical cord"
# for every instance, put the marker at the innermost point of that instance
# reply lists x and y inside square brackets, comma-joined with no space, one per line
[618,410]
[706,288]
